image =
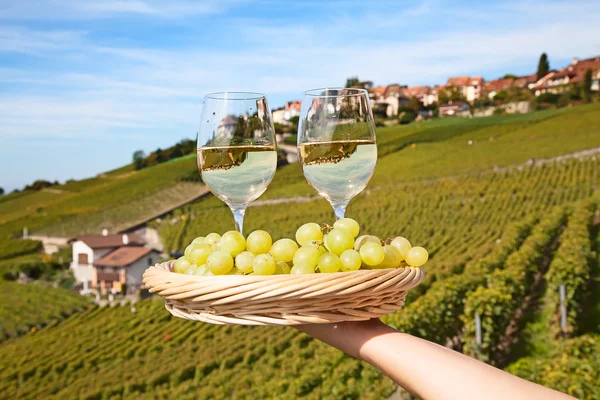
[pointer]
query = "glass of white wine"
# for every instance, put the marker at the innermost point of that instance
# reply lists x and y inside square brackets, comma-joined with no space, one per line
[336,143]
[237,153]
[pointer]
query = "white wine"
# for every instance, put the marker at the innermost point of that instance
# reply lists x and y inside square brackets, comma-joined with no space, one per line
[238,175]
[338,170]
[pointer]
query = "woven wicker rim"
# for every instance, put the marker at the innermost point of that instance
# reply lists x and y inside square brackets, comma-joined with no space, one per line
[282,299]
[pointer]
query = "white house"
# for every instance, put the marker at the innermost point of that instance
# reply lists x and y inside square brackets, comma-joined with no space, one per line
[125,265]
[104,261]
[279,116]
[289,111]
[469,86]
[227,127]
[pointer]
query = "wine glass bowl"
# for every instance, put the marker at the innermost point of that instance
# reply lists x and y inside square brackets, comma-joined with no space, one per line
[336,143]
[237,154]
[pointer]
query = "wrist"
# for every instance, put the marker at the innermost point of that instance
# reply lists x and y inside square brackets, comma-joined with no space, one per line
[378,345]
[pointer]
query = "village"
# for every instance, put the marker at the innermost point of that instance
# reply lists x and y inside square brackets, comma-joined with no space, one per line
[471,96]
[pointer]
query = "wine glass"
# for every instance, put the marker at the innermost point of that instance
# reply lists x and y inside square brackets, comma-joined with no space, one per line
[336,143]
[237,153]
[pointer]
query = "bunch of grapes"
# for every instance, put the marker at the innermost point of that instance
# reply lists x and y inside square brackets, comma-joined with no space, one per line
[316,249]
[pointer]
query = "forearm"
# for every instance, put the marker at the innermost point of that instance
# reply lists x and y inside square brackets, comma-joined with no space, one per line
[426,369]
[435,372]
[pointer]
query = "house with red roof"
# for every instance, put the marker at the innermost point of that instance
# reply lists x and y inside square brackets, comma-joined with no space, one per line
[110,263]
[290,110]
[491,88]
[424,94]
[560,81]
[526,81]
[392,96]
[378,93]
[471,87]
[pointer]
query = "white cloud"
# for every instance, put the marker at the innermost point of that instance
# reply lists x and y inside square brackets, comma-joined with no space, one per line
[138,87]
[93,9]
[22,40]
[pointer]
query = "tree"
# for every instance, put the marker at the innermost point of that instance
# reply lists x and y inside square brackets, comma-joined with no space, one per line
[160,155]
[352,81]
[510,76]
[449,94]
[543,66]
[587,86]
[40,184]
[415,104]
[1,191]
[139,160]
[176,151]
[295,120]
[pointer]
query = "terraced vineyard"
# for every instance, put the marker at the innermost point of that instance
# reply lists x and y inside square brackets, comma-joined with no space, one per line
[501,240]
[27,306]
[113,201]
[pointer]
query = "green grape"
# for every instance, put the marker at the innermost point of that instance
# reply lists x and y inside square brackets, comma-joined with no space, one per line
[264,264]
[281,268]
[219,262]
[329,262]
[350,260]
[283,250]
[216,246]
[322,249]
[259,242]
[199,240]
[364,239]
[235,271]
[308,232]
[212,238]
[390,259]
[372,254]
[207,272]
[307,255]
[243,261]
[181,265]
[403,246]
[325,243]
[233,242]
[302,269]
[318,245]
[200,253]
[348,224]
[396,252]
[339,240]
[191,270]
[201,270]
[417,256]
[186,252]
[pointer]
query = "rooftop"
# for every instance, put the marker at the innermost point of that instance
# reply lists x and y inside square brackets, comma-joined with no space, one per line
[103,242]
[123,256]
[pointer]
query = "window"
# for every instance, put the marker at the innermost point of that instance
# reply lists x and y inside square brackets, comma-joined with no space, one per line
[82,258]
[150,262]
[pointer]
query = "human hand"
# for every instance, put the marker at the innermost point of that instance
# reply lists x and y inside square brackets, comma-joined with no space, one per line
[351,337]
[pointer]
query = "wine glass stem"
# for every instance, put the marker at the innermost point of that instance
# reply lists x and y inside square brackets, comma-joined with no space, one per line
[339,208]
[238,217]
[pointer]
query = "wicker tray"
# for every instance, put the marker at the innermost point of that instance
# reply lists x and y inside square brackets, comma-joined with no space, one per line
[282,299]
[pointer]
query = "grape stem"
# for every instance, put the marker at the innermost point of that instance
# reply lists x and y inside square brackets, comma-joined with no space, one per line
[326,228]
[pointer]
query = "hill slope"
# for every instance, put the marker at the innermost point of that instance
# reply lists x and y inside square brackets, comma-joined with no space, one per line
[486,228]
[113,200]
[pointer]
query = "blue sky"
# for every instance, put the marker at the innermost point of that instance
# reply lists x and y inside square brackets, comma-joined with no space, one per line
[85,83]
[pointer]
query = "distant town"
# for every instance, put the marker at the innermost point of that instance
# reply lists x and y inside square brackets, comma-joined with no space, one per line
[473,96]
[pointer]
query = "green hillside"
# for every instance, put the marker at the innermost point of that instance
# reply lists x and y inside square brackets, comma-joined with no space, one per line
[502,232]
[27,306]
[113,200]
